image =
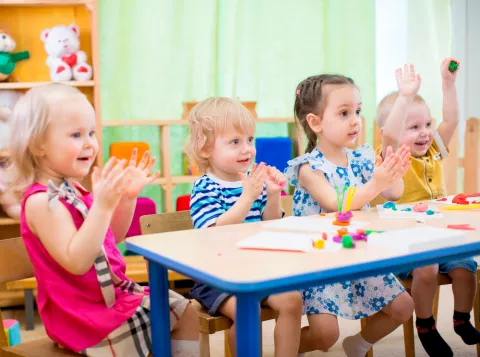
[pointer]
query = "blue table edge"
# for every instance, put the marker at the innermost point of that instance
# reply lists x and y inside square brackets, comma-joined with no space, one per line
[332,275]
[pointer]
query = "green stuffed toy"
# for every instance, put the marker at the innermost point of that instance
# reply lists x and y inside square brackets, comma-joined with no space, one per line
[7,58]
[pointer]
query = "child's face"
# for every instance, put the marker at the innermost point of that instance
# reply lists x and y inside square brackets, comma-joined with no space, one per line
[341,122]
[232,152]
[418,133]
[70,145]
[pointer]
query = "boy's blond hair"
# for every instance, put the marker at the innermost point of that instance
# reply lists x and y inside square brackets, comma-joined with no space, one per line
[385,107]
[210,118]
[30,120]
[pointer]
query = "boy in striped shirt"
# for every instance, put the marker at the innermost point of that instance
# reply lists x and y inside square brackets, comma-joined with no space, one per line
[222,143]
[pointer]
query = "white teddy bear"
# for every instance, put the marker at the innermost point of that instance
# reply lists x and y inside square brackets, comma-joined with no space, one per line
[64,58]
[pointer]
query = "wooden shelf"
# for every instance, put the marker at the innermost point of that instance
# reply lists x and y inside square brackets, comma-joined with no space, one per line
[185,179]
[164,122]
[28,85]
[43,2]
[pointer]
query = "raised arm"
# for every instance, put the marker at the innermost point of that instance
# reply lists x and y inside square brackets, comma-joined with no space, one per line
[450,102]
[408,85]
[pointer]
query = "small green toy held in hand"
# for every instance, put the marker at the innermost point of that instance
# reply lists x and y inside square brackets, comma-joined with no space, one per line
[453,66]
[7,58]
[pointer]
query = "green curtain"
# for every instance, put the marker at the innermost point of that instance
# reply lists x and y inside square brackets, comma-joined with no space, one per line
[156,55]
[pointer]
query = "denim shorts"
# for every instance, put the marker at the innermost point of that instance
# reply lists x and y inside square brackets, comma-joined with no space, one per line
[444,268]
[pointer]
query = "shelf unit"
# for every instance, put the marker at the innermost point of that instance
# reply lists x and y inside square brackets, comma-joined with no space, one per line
[25,20]
[168,181]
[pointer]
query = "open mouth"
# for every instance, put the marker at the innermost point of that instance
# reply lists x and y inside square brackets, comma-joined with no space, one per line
[353,134]
[421,143]
[84,158]
[244,161]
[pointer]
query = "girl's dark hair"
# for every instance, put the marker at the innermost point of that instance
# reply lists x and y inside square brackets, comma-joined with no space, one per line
[310,99]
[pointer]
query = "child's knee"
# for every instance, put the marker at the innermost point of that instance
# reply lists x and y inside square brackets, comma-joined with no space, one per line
[325,338]
[291,304]
[426,275]
[402,308]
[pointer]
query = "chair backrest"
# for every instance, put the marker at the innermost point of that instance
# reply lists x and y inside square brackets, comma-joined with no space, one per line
[14,261]
[166,222]
[287,205]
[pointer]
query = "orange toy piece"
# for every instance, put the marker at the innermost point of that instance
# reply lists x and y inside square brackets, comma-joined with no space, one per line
[342,232]
[123,150]
[322,214]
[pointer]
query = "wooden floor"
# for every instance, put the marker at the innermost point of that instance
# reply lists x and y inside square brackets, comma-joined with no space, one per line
[392,346]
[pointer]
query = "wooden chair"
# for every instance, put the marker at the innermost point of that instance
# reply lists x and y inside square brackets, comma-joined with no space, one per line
[178,221]
[409,327]
[15,265]
[136,271]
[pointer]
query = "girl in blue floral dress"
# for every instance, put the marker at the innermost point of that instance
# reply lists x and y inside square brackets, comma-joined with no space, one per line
[328,108]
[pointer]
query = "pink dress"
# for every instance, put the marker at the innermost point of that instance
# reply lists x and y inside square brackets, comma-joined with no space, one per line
[72,306]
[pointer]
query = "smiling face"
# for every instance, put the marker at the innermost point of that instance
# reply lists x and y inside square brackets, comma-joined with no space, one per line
[233,152]
[70,145]
[418,133]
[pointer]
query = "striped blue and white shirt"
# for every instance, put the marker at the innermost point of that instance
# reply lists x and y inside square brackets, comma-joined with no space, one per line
[212,197]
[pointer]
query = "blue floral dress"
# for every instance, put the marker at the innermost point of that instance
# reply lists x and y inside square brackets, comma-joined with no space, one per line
[353,299]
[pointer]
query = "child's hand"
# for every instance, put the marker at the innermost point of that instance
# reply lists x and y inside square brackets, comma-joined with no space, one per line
[139,175]
[109,184]
[408,82]
[393,167]
[253,183]
[448,77]
[275,181]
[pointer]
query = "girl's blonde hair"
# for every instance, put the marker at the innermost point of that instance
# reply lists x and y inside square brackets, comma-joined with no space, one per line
[30,120]
[210,118]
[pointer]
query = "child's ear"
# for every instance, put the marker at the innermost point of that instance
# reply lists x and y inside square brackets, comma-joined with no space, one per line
[205,152]
[314,122]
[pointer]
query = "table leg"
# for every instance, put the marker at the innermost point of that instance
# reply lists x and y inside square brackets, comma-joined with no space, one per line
[248,327]
[29,309]
[159,310]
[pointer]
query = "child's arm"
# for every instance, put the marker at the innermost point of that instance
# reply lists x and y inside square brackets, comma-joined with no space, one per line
[408,86]
[139,175]
[74,250]
[450,103]
[252,187]
[384,176]
[275,184]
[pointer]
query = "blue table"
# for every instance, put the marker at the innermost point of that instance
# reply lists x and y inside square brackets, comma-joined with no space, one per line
[211,256]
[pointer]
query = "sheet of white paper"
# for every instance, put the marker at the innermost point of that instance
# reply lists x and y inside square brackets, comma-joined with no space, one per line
[388,213]
[450,198]
[267,240]
[418,239]
[311,224]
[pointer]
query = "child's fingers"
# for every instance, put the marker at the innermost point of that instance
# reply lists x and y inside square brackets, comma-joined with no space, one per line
[116,170]
[243,176]
[108,166]
[149,168]
[95,175]
[133,157]
[144,160]
[259,172]
[117,181]
[412,71]
[155,176]
[391,163]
